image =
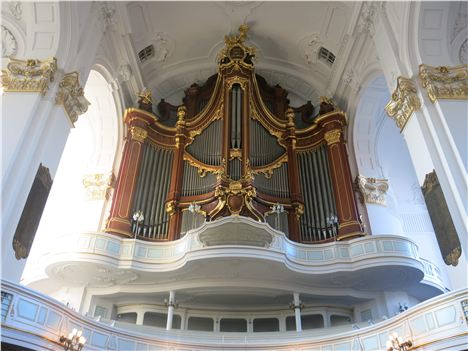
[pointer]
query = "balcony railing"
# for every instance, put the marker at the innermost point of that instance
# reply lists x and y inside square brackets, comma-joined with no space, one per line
[36,321]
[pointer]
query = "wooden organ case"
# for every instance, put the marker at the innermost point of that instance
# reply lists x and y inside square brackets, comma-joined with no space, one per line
[235,147]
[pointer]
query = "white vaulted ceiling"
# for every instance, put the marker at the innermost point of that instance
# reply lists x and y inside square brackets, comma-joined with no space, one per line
[188,35]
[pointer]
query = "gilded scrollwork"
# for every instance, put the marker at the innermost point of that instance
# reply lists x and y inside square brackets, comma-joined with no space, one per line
[235,53]
[171,207]
[332,136]
[70,95]
[372,190]
[444,82]
[235,153]
[139,134]
[97,186]
[268,169]
[202,167]
[28,75]
[404,102]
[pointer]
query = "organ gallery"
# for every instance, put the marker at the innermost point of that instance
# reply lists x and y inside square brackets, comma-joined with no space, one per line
[235,147]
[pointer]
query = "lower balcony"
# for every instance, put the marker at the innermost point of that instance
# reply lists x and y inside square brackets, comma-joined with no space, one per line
[34,321]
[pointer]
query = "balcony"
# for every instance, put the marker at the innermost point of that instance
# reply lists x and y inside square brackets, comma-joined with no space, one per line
[33,320]
[244,248]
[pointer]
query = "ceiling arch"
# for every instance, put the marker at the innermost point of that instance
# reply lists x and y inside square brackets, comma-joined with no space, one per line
[186,40]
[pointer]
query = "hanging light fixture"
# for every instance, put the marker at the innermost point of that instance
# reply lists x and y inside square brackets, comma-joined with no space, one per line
[138,218]
[74,341]
[396,343]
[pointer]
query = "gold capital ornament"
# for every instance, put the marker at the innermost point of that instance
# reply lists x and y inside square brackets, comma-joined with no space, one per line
[138,134]
[404,102]
[70,95]
[28,75]
[445,82]
[332,136]
[373,190]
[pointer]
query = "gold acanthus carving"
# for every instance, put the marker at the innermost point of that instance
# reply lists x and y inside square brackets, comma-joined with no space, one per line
[298,210]
[237,80]
[138,134]
[445,82]
[268,169]
[372,190]
[235,153]
[171,207]
[29,75]
[202,168]
[404,102]
[332,136]
[70,95]
[97,186]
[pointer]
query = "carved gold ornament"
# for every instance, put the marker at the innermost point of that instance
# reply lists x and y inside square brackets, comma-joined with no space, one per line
[29,75]
[290,117]
[97,186]
[404,102]
[71,96]
[372,190]
[146,97]
[332,136]
[139,134]
[202,168]
[445,82]
[235,153]
[235,52]
[171,207]
[181,112]
[298,210]
[268,169]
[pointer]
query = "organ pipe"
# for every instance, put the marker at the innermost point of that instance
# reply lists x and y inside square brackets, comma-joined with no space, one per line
[319,209]
[151,192]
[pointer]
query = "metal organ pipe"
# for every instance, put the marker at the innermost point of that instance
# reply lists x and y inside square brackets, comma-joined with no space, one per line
[318,195]
[152,188]
[207,146]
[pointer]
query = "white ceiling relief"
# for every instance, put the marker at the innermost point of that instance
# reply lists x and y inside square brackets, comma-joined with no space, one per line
[287,35]
[163,46]
[309,48]
[9,45]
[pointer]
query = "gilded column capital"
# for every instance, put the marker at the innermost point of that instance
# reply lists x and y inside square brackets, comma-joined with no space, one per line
[70,95]
[373,190]
[404,102]
[97,186]
[445,82]
[28,75]
[139,134]
[332,136]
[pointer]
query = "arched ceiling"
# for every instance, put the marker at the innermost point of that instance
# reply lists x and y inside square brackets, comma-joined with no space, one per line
[188,35]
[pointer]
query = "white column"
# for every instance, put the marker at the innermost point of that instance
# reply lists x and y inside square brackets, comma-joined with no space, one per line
[297,311]
[183,319]
[326,318]
[282,323]
[140,316]
[170,310]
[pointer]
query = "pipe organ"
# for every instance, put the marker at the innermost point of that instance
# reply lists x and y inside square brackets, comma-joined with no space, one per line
[235,148]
